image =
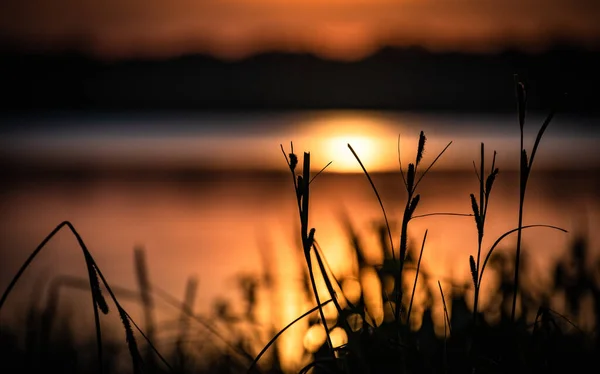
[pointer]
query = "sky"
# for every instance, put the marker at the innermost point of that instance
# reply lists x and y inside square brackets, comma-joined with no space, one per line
[335,29]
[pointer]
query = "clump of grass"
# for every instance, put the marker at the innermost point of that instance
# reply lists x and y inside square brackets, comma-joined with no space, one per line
[98,301]
[479,208]
[476,268]
[410,184]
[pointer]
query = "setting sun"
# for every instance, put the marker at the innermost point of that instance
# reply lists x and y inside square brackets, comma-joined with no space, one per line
[344,161]
[371,137]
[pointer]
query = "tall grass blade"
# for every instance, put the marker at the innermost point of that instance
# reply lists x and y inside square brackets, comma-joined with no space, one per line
[489,254]
[141,272]
[489,183]
[320,171]
[431,165]
[538,138]
[116,301]
[187,308]
[476,172]
[387,224]
[97,299]
[521,100]
[445,308]
[412,296]
[325,271]
[442,214]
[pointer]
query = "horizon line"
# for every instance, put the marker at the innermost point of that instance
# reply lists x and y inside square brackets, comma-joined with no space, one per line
[76,50]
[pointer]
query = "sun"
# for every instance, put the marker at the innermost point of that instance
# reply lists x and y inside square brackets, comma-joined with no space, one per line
[371,136]
[337,150]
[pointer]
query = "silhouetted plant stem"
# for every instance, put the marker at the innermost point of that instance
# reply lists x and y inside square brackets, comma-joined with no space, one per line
[480,213]
[518,250]
[412,296]
[145,292]
[187,308]
[410,183]
[402,256]
[446,315]
[387,224]
[302,189]
[308,239]
[524,172]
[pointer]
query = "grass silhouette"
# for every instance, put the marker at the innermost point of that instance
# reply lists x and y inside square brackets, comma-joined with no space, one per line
[374,329]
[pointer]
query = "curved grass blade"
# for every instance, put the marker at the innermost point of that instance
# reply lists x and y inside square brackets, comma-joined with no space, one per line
[489,254]
[96,302]
[320,171]
[445,308]
[274,338]
[442,214]
[387,224]
[412,296]
[431,165]
[94,266]
[325,272]
[538,138]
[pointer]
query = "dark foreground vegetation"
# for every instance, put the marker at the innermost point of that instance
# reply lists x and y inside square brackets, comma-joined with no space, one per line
[376,324]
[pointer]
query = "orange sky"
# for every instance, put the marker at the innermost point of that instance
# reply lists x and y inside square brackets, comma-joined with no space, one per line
[340,29]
